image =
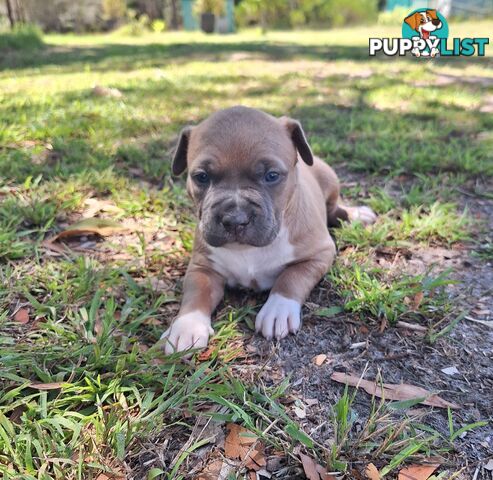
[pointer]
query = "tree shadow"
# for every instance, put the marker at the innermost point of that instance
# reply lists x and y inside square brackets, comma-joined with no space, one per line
[128,57]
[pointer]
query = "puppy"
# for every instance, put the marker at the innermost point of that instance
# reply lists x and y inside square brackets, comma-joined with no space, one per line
[264,203]
[424,23]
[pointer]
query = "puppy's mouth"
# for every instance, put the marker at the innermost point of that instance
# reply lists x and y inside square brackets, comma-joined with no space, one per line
[252,235]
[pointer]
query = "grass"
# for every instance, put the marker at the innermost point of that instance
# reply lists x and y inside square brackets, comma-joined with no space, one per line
[21,37]
[84,388]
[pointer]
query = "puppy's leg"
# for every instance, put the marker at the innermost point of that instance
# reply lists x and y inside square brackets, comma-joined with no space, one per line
[363,214]
[202,291]
[337,212]
[281,314]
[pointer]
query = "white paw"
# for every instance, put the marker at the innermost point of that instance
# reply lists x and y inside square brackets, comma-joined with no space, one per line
[416,52]
[434,52]
[188,331]
[363,214]
[278,317]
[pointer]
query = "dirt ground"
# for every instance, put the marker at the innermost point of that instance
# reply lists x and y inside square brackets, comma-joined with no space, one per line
[401,355]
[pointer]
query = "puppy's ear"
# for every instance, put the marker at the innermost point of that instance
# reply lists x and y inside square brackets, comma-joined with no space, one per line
[432,14]
[413,20]
[179,164]
[299,139]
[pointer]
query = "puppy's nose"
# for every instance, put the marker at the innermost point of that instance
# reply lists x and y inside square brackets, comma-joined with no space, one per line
[436,22]
[235,221]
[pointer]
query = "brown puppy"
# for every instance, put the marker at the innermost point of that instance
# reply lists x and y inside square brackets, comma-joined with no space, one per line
[264,203]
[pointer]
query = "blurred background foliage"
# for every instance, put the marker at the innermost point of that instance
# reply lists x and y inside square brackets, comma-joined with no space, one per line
[138,16]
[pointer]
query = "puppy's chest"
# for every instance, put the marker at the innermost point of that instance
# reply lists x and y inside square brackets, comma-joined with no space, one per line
[253,267]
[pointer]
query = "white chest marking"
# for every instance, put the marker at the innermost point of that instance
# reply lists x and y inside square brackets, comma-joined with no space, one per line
[256,267]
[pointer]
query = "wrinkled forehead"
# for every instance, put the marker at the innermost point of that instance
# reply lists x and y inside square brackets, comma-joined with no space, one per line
[241,141]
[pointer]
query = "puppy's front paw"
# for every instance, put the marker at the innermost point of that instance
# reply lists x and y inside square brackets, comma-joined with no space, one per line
[188,331]
[365,215]
[278,317]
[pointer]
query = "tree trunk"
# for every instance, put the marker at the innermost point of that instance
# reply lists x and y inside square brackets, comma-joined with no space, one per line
[174,15]
[10,13]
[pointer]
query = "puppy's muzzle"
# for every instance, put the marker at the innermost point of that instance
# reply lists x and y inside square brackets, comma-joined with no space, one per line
[235,221]
[436,22]
[232,216]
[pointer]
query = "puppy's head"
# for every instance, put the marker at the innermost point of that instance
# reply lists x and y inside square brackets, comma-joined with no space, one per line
[424,22]
[241,173]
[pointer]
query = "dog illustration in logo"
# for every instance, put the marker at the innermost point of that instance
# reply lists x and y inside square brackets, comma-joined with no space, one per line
[425,23]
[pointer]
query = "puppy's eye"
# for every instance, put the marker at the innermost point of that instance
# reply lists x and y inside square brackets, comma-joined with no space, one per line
[201,178]
[271,177]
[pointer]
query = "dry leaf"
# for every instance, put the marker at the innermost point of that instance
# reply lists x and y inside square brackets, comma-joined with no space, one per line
[371,472]
[94,205]
[22,316]
[243,444]
[299,412]
[90,226]
[47,386]
[390,391]
[319,359]
[450,371]
[205,354]
[211,471]
[309,467]
[416,301]
[417,472]
[323,473]
[314,471]
[104,476]
[54,250]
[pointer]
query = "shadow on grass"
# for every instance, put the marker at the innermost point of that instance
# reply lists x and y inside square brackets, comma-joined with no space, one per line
[107,57]
[360,137]
[124,56]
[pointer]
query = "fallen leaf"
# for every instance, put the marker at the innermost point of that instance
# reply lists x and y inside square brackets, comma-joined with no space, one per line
[390,391]
[450,370]
[91,226]
[15,416]
[314,471]
[371,472]
[54,249]
[323,473]
[319,359]
[211,471]
[416,301]
[383,325]
[417,472]
[489,465]
[242,444]
[299,412]
[22,316]
[94,205]
[205,354]
[309,467]
[47,386]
